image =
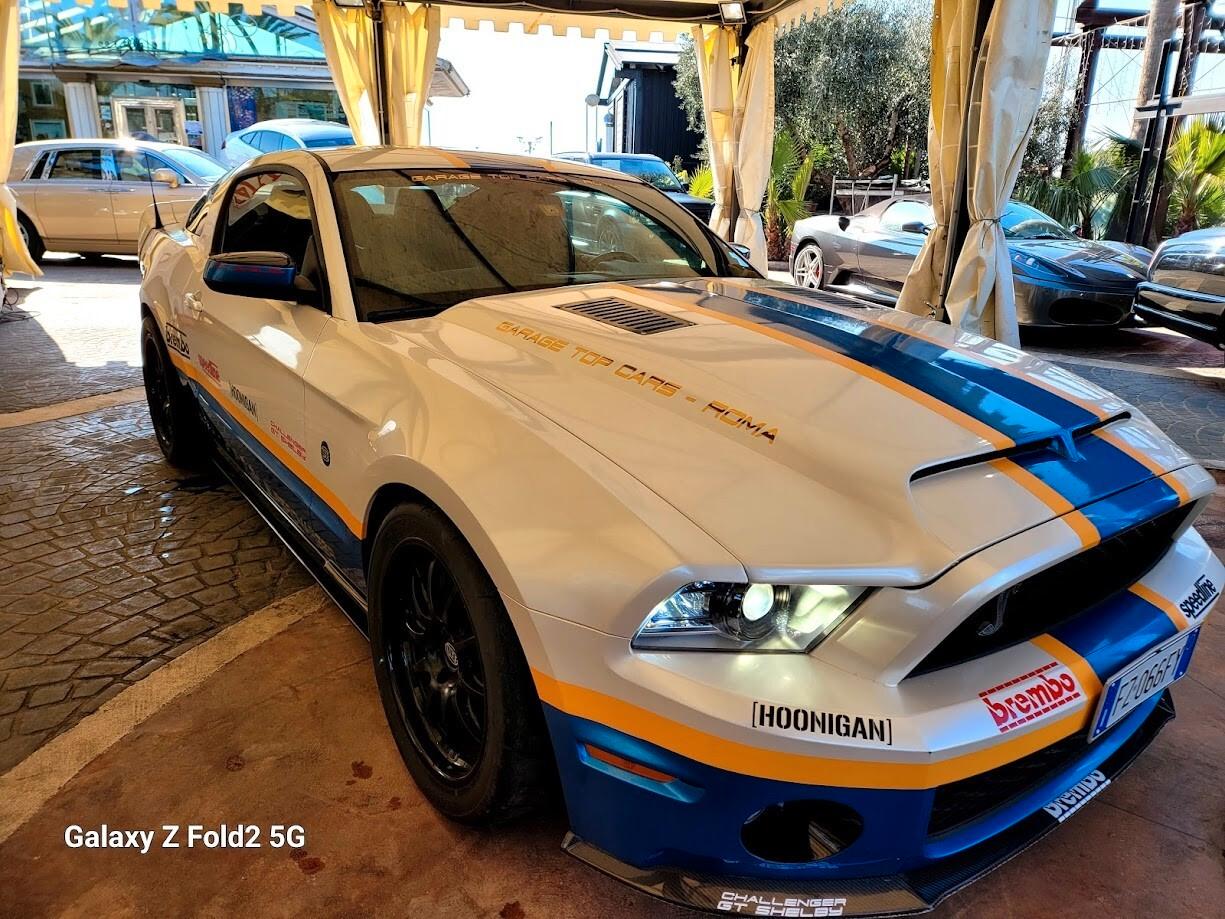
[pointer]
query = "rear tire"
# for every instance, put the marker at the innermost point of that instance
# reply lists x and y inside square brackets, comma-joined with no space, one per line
[176,418]
[452,677]
[34,242]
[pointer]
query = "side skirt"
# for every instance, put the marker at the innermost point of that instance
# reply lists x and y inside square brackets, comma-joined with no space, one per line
[334,584]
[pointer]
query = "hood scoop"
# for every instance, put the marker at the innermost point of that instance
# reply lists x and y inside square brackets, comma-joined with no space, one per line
[631,317]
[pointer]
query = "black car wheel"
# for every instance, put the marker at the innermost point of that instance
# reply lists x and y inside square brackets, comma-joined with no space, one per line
[453,680]
[810,267]
[29,235]
[176,420]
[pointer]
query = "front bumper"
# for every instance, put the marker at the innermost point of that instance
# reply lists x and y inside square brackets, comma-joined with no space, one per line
[811,892]
[1044,304]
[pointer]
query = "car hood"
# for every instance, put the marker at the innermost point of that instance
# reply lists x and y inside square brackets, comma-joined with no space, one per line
[685,199]
[789,433]
[1083,260]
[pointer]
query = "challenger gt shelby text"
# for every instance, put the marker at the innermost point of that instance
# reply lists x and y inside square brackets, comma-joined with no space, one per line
[814,609]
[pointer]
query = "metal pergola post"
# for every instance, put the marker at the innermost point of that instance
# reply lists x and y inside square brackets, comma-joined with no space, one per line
[374,9]
[1137,216]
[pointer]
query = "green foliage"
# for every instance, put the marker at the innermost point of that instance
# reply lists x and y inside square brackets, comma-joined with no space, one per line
[1077,197]
[702,183]
[1045,147]
[853,83]
[786,189]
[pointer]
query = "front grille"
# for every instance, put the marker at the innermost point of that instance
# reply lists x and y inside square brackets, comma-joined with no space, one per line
[966,800]
[1090,312]
[640,320]
[1059,593]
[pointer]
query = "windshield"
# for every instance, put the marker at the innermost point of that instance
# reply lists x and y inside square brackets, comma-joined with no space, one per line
[1021,221]
[654,172]
[419,241]
[340,139]
[198,164]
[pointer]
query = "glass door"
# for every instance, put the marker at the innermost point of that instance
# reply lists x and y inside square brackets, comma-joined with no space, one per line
[151,119]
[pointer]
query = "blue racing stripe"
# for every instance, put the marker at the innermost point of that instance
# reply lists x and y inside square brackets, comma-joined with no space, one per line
[1101,480]
[923,364]
[312,515]
[1115,632]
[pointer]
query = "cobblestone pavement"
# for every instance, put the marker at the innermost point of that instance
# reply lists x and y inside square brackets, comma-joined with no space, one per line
[112,563]
[82,338]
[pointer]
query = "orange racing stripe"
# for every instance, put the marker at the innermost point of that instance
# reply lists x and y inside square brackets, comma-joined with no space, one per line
[1112,438]
[1174,614]
[740,758]
[356,525]
[1063,509]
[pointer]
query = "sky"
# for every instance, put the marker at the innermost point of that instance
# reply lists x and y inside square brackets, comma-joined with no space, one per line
[520,84]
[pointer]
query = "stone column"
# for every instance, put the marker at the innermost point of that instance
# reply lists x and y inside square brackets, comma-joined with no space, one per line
[214,117]
[81,100]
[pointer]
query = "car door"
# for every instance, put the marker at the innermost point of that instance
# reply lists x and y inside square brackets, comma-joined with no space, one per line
[132,192]
[885,255]
[74,200]
[250,352]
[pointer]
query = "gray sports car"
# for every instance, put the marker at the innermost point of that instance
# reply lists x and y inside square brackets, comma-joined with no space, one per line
[1061,280]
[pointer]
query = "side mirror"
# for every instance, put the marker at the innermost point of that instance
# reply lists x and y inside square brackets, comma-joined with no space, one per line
[916,226]
[743,250]
[1074,229]
[267,275]
[164,176]
[844,222]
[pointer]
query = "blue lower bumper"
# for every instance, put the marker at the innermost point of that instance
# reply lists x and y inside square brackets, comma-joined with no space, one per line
[689,829]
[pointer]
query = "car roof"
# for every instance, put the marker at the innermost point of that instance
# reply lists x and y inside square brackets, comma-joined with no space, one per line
[625,156]
[299,126]
[348,159]
[126,143]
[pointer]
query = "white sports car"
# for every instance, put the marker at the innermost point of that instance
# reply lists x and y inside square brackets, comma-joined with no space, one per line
[814,609]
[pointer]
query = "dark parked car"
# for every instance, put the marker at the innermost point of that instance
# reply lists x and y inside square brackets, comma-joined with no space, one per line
[1060,279]
[650,169]
[1185,289]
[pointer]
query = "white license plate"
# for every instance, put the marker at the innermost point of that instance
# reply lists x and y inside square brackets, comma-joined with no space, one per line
[1142,679]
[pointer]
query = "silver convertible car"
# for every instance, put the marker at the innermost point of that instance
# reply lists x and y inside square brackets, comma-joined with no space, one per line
[1061,279]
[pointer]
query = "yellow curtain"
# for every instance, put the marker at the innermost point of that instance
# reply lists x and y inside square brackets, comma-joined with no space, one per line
[411,34]
[952,47]
[754,129]
[348,42]
[13,252]
[1007,90]
[716,48]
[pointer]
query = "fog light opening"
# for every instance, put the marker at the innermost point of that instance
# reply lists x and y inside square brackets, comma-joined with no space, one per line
[801,831]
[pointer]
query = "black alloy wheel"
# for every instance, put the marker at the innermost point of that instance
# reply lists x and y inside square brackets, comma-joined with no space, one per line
[434,664]
[452,677]
[176,420]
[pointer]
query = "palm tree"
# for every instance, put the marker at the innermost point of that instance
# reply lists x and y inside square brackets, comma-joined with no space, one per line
[1089,179]
[786,190]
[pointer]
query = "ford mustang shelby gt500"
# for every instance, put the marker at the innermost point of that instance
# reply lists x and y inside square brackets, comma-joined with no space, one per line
[812,608]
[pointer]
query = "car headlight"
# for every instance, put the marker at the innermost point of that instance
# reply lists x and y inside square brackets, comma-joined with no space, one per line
[713,616]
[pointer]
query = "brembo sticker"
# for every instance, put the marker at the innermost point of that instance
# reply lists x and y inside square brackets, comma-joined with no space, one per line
[177,341]
[830,724]
[1031,696]
[1078,795]
[754,904]
[645,379]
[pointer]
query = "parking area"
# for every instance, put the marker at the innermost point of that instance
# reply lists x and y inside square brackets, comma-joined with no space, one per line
[252,699]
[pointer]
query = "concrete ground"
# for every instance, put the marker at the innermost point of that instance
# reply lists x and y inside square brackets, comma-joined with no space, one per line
[258,706]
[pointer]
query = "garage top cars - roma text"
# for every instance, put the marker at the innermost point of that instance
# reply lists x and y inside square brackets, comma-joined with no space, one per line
[801,601]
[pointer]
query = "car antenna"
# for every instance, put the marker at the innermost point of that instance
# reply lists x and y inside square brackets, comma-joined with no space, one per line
[157,215]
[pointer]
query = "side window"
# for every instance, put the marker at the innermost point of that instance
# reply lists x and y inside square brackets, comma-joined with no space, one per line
[271,211]
[251,138]
[133,166]
[198,213]
[40,163]
[287,143]
[898,215]
[77,164]
[268,141]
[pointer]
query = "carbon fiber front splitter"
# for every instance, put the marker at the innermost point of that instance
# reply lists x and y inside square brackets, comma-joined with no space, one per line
[896,895]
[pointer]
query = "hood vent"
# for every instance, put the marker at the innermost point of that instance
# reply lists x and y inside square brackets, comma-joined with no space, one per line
[640,320]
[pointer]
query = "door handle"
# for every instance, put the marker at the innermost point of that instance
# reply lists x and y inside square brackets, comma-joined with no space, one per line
[192,302]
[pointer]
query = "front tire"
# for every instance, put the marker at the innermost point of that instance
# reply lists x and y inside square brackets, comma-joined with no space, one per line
[810,267]
[452,677]
[176,420]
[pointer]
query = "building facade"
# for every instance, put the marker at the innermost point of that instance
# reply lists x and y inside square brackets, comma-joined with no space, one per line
[89,69]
